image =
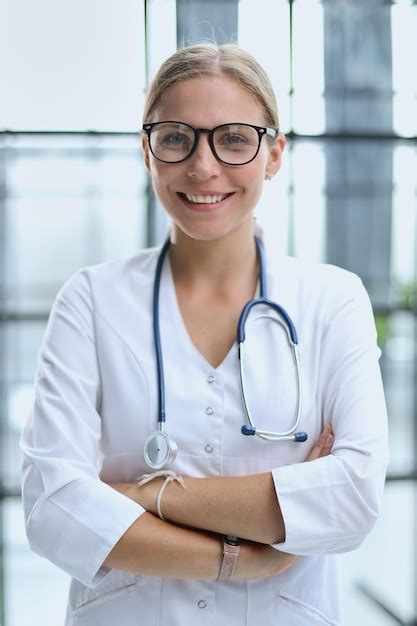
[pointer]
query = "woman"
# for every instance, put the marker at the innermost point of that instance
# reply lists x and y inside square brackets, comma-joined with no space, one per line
[211,137]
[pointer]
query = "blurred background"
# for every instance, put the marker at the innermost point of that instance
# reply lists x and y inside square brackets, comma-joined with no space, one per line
[73,192]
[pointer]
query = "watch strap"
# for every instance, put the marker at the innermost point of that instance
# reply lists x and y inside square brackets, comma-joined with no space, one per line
[229,560]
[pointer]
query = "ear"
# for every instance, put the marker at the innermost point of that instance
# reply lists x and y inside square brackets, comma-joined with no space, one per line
[275,153]
[145,150]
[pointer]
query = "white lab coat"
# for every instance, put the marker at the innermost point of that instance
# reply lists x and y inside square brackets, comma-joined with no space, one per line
[96,403]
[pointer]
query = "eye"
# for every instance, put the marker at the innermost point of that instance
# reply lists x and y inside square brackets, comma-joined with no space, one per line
[174,141]
[236,138]
[233,140]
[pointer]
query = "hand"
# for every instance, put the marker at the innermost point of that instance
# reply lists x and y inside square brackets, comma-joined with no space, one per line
[324,444]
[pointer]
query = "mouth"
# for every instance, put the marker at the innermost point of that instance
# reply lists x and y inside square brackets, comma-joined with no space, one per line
[204,202]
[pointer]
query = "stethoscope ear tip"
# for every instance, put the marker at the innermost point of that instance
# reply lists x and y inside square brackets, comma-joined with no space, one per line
[248,430]
[300,436]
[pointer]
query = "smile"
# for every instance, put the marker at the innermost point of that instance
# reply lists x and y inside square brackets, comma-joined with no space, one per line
[205,199]
[203,202]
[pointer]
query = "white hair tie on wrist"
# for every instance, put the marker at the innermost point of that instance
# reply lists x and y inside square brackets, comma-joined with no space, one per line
[170,476]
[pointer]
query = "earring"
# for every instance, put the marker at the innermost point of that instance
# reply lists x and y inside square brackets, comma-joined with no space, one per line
[268,177]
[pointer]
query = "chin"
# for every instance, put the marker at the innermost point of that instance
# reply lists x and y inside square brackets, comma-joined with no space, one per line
[200,235]
[207,232]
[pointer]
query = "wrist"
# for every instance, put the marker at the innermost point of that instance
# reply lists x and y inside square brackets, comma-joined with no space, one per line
[158,494]
[250,556]
[243,562]
[147,494]
[231,550]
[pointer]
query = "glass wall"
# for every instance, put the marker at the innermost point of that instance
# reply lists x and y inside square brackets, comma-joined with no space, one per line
[73,193]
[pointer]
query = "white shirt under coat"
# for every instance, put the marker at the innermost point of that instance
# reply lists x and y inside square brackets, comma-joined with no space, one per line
[96,403]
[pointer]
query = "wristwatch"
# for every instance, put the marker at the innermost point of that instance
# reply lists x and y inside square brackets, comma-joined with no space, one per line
[231,548]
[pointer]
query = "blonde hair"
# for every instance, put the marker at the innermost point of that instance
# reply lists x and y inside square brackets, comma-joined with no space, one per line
[210,59]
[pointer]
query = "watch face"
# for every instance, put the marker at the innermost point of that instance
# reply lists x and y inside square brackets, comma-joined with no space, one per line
[231,540]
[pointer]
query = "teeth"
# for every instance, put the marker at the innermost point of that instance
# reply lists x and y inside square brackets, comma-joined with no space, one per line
[204,199]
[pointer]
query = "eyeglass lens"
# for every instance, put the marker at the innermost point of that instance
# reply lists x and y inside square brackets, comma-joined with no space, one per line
[233,143]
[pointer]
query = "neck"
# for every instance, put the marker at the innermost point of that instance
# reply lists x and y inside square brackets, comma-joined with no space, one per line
[221,261]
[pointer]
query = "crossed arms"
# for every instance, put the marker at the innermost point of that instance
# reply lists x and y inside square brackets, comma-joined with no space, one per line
[188,544]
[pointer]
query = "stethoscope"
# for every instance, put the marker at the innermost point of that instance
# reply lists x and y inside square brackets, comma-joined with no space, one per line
[160,448]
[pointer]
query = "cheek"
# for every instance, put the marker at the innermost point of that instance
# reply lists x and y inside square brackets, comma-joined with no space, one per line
[160,178]
[163,184]
[254,178]
[154,169]
[164,175]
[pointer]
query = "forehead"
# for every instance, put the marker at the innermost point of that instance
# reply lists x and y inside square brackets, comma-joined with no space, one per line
[209,101]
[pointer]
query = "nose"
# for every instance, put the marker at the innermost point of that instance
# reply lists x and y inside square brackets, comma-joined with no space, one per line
[203,164]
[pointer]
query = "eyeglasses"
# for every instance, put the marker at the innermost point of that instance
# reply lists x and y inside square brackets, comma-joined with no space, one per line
[232,144]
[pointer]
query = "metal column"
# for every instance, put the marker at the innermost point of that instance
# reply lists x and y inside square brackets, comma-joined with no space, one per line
[3,283]
[358,98]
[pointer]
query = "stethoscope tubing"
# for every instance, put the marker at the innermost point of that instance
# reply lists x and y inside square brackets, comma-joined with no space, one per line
[161,438]
[157,338]
[267,434]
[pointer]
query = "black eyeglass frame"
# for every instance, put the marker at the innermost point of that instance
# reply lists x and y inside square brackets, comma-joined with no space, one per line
[261,130]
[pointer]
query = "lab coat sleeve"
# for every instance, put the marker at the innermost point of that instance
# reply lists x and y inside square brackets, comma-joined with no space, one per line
[329,505]
[72,518]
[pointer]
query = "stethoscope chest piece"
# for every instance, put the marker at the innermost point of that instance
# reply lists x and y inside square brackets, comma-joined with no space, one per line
[160,450]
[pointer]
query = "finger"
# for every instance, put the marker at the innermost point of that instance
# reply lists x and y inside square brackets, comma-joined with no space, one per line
[321,441]
[316,452]
[327,448]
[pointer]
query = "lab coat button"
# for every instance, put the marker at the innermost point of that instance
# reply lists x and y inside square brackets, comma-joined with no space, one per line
[202,604]
[208,448]
[211,379]
[209,410]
